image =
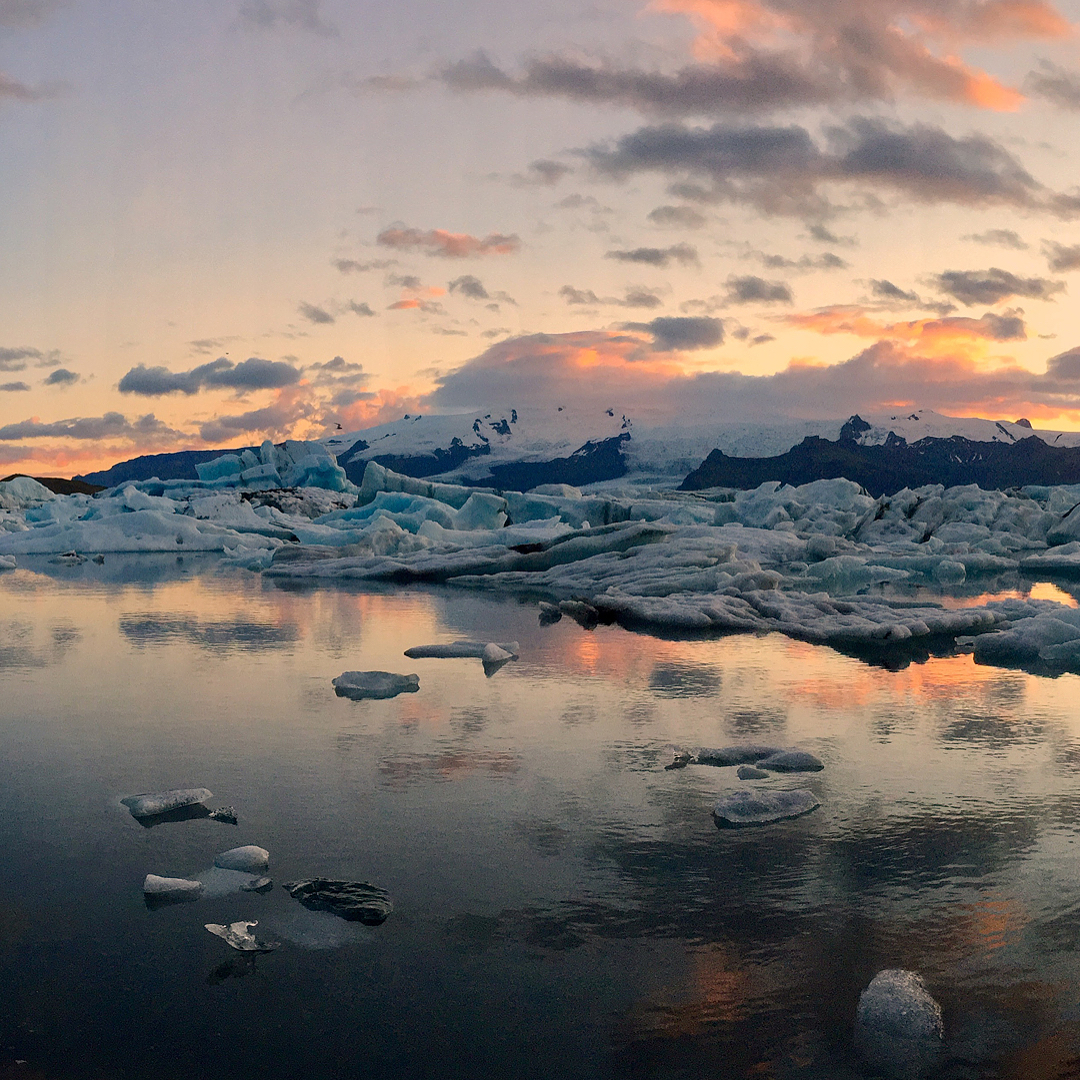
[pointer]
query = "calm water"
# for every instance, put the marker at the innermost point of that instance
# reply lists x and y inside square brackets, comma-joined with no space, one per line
[564,906]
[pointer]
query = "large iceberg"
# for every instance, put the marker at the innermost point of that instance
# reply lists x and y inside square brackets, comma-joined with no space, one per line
[823,562]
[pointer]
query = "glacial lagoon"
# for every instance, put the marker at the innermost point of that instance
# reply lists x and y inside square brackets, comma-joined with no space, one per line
[564,905]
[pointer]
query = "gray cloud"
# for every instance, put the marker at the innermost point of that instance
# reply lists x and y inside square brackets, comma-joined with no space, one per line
[15,359]
[683,254]
[886,290]
[362,309]
[354,266]
[61,377]
[296,14]
[276,419]
[542,173]
[111,425]
[993,286]
[682,332]
[1061,257]
[678,217]
[338,372]
[1055,84]
[1007,238]
[827,236]
[749,289]
[634,297]
[825,261]
[315,314]
[252,374]
[782,170]
[12,387]
[469,286]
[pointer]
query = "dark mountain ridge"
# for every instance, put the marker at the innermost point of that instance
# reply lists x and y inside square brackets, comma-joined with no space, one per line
[886,468]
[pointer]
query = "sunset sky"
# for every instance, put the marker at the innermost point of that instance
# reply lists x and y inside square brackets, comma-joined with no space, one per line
[244,219]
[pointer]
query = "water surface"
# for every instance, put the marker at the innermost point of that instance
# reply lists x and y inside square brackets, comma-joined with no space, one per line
[564,905]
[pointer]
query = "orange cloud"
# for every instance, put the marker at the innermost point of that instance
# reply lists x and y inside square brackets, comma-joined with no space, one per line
[883,46]
[448,245]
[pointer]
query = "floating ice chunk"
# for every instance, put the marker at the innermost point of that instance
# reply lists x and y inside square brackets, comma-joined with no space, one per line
[950,572]
[742,754]
[762,807]
[240,937]
[68,558]
[258,884]
[898,1028]
[7,562]
[151,804]
[549,613]
[750,772]
[357,901]
[377,478]
[226,814]
[583,614]
[481,512]
[374,684]
[791,761]
[249,858]
[461,649]
[495,657]
[171,888]
[679,760]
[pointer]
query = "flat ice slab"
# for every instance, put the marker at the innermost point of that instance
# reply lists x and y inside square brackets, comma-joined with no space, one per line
[374,684]
[357,901]
[791,761]
[240,937]
[762,807]
[161,802]
[250,858]
[171,888]
[456,649]
[743,754]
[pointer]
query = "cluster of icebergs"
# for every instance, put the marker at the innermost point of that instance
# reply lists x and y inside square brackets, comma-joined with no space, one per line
[823,562]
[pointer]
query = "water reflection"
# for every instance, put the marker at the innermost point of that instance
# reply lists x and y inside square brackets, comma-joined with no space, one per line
[564,906]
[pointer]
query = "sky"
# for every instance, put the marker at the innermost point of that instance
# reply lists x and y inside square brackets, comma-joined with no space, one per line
[246,219]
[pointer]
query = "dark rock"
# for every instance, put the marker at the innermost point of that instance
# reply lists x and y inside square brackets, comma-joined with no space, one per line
[357,901]
[896,464]
[759,807]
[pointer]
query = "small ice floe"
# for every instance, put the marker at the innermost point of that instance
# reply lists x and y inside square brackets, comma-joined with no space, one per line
[357,901]
[772,758]
[170,890]
[455,649]
[258,884]
[374,684]
[7,562]
[250,858]
[898,1028]
[99,559]
[227,814]
[743,754]
[155,804]
[68,558]
[750,772]
[240,937]
[549,613]
[583,614]
[495,657]
[762,807]
[791,761]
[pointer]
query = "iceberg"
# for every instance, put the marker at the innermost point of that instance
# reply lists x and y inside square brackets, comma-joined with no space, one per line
[249,858]
[455,649]
[374,684]
[154,804]
[171,890]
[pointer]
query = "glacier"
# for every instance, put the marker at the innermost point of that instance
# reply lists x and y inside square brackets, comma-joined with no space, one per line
[822,562]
